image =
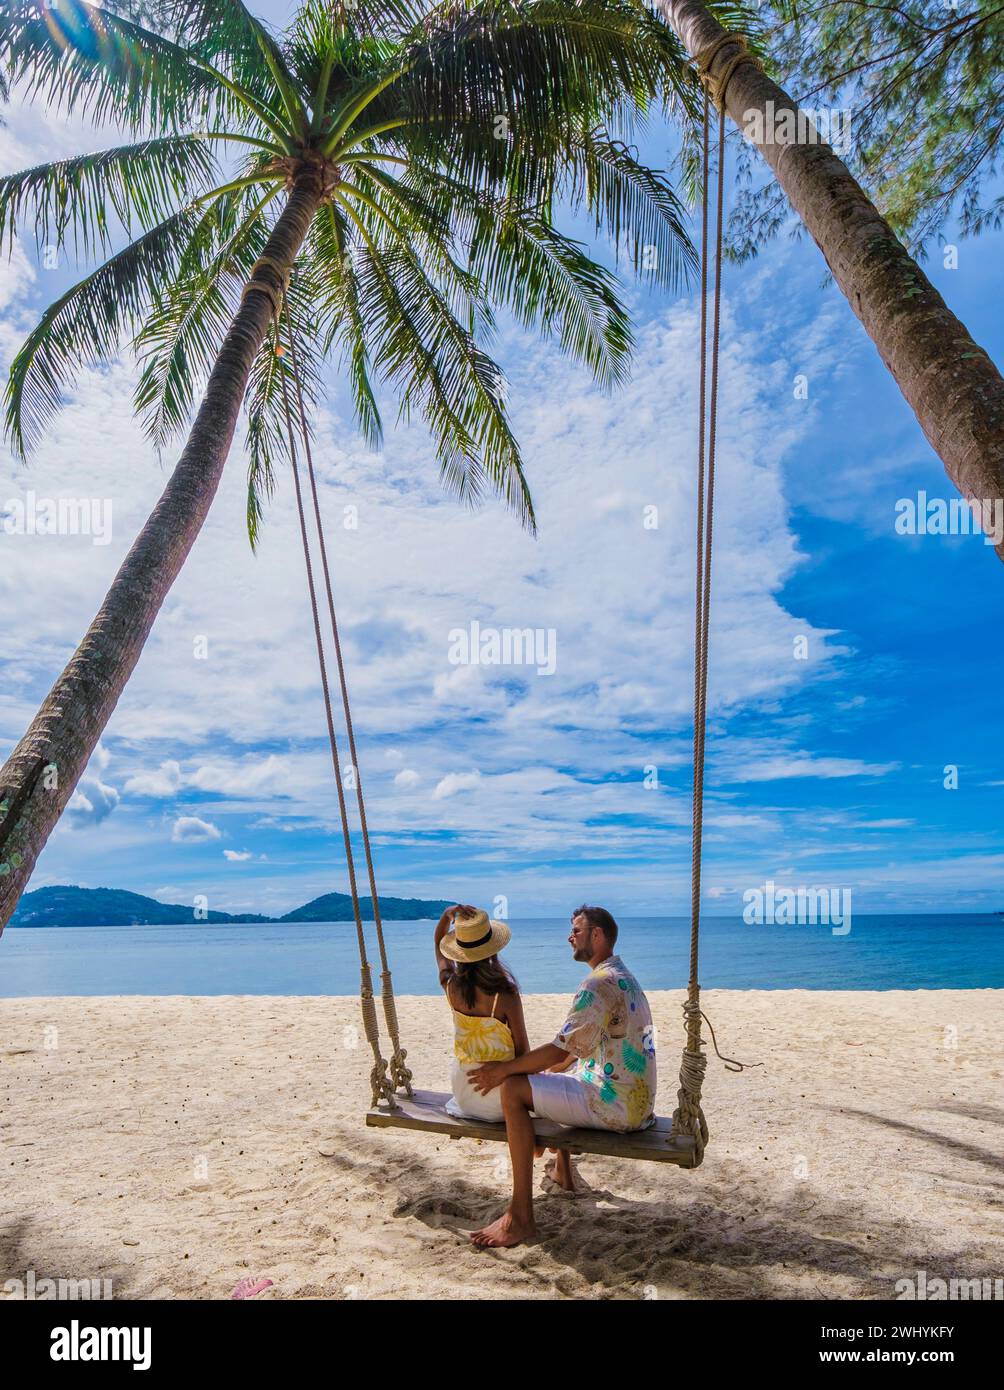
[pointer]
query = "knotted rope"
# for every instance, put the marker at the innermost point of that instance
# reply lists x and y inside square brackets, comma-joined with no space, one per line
[706,57]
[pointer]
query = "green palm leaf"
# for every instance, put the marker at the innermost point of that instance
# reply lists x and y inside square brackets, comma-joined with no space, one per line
[88,323]
[340,306]
[625,197]
[72,198]
[547,280]
[273,385]
[435,364]
[224,32]
[91,62]
[544,278]
[188,322]
[506,80]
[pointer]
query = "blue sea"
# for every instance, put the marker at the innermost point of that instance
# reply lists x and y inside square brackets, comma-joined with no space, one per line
[881,952]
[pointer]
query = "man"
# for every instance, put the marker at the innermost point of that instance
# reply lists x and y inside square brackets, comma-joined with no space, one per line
[608,1043]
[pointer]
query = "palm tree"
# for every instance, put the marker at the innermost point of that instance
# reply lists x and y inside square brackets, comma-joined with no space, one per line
[948,380]
[397,167]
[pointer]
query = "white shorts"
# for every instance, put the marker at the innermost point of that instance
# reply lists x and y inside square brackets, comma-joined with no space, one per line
[557,1096]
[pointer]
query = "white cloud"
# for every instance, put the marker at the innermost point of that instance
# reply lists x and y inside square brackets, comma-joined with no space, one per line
[238,856]
[190,830]
[455,782]
[773,764]
[252,775]
[407,777]
[16,276]
[165,781]
[92,801]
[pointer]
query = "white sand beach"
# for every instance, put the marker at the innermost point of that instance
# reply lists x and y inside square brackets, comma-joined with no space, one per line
[176,1145]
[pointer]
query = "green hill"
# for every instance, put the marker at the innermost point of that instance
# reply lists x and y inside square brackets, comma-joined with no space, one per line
[67,906]
[337,907]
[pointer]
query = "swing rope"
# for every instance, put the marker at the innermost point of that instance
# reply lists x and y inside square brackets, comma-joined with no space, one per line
[382,1085]
[688,1118]
[400,1075]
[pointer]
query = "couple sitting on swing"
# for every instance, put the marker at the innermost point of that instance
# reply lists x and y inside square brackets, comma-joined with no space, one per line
[598,1073]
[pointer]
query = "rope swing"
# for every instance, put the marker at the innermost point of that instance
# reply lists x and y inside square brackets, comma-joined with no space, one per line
[685,1142]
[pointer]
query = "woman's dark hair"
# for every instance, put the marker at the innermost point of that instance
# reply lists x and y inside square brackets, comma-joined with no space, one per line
[490,976]
[599,917]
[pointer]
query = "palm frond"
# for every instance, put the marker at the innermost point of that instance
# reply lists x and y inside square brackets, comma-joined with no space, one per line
[520,261]
[88,61]
[188,321]
[355,22]
[627,199]
[501,87]
[88,323]
[339,307]
[392,200]
[227,34]
[548,281]
[272,385]
[437,368]
[422,205]
[74,198]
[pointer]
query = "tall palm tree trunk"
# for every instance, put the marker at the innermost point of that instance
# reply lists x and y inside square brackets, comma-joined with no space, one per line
[40,775]
[949,382]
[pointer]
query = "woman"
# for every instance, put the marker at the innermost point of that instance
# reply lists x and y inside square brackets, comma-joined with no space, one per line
[487,1009]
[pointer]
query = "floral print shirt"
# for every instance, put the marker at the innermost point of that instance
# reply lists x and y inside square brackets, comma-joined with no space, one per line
[610,1032]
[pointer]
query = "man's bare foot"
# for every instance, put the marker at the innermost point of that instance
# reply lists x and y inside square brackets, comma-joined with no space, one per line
[559,1173]
[503,1233]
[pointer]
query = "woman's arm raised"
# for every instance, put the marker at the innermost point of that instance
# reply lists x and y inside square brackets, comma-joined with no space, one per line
[444,966]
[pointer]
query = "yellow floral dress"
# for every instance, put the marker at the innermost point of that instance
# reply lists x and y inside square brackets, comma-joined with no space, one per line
[477,1040]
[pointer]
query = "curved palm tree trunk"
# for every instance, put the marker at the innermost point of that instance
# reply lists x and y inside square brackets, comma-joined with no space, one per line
[39,777]
[949,382]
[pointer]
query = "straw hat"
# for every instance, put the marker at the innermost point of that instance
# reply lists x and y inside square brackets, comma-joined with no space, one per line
[475,938]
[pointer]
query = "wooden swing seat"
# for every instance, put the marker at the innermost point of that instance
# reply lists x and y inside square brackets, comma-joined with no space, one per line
[426,1110]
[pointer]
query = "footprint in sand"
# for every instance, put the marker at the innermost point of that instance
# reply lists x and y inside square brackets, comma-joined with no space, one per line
[437,1211]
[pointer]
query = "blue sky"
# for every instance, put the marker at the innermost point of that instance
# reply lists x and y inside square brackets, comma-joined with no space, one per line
[498,782]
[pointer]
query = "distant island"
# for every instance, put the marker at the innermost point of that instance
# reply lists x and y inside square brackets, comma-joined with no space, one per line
[337,907]
[68,906]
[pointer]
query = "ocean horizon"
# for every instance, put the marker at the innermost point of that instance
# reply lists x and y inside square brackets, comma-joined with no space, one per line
[880,951]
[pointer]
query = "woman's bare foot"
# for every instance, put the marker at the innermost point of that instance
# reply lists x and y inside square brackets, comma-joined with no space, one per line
[503,1233]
